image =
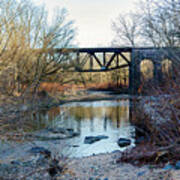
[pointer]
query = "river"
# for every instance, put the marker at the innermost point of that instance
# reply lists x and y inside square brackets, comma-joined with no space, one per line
[110,118]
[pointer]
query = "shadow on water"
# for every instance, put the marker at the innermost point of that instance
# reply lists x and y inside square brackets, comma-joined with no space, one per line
[108,118]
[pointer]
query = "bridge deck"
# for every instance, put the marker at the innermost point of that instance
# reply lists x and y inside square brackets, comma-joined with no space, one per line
[110,49]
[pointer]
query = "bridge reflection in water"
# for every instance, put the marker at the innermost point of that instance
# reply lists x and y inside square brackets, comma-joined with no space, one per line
[94,115]
[109,118]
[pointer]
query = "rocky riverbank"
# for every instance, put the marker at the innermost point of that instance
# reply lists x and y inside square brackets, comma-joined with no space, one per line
[42,165]
[105,167]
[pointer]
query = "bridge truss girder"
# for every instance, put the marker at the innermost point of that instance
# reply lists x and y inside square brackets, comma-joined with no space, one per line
[104,63]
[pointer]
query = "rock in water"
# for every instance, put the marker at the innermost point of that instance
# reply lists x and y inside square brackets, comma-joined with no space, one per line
[69,132]
[93,139]
[123,142]
[177,166]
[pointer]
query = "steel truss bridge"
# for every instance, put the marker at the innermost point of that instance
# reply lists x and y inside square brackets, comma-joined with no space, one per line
[108,59]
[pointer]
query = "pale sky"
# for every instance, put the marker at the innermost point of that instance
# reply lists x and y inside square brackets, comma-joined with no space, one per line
[92,18]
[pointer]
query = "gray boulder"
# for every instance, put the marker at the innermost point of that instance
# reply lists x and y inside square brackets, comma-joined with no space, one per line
[93,139]
[123,142]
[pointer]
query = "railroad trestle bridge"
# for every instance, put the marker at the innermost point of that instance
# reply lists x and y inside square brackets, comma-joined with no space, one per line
[108,59]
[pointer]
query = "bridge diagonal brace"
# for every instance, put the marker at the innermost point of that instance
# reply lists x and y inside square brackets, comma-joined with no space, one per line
[111,59]
[77,66]
[84,61]
[96,58]
[80,64]
[125,58]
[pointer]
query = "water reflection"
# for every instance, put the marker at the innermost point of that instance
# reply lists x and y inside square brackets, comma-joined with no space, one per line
[110,118]
[96,115]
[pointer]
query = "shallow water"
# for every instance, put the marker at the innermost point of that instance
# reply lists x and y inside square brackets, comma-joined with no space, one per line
[109,118]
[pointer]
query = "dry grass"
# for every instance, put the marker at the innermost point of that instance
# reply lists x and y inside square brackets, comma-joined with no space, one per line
[157,121]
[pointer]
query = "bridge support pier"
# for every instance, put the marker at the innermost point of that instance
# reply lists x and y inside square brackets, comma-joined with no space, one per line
[134,73]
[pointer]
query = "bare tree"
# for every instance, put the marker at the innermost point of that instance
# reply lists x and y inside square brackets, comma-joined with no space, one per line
[160,24]
[126,28]
[27,40]
[156,23]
